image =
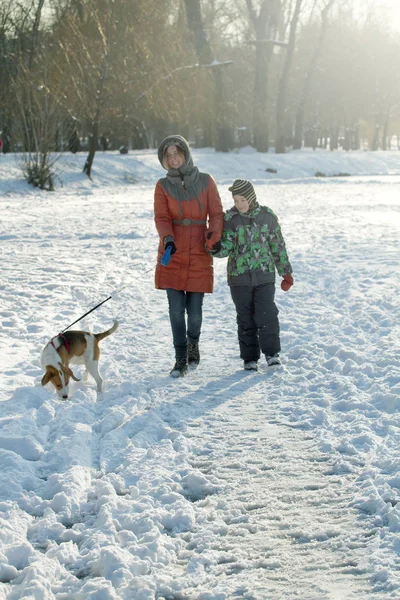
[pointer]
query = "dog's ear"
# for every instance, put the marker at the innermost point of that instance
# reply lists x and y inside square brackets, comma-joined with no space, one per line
[68,371]
[47,376]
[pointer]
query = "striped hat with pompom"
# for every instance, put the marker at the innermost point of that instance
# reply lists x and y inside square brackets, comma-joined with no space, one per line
[243,187]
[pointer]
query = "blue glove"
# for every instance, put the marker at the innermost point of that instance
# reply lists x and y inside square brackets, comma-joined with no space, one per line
[170,249]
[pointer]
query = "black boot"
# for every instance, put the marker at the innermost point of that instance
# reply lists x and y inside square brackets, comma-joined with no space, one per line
[180,368]
[273,359]
[193,355]
[250,365]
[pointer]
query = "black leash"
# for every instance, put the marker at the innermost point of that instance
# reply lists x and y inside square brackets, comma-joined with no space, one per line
[106,300]
[86,313]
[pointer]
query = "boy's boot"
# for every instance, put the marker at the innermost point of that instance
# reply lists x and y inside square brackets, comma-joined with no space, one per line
[273,360]
[250,365]
[193,355]
[180,368]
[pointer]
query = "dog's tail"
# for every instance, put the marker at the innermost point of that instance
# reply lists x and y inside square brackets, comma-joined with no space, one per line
[100,336]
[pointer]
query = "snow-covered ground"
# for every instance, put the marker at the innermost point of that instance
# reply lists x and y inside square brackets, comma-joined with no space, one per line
[225,484]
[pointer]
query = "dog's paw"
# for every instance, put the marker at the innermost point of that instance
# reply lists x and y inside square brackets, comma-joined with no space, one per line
[100,396]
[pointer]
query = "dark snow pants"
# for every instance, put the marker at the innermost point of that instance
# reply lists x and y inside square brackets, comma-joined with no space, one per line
[257,319]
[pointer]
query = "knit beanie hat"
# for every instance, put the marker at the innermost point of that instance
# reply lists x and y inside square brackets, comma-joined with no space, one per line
[243,187]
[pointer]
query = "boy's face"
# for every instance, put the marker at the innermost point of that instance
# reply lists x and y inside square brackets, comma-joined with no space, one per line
[241,203]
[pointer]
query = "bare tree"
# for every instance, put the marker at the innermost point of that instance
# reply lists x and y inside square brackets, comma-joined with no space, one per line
[35,112]
[18,29]
[87,40]
[205,55]
[113,55]
[35,32]
[284,80]
[311,71]
[266,26]
[39,116]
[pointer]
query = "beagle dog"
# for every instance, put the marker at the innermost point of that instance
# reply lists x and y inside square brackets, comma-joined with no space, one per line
[79,347]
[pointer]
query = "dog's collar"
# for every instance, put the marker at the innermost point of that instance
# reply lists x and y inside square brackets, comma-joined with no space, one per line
[64,341]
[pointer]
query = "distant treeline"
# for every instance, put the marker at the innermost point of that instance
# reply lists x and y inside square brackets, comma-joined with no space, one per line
[98,74]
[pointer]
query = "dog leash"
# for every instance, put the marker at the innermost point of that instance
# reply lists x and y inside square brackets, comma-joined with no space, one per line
[164,261]
[107,299]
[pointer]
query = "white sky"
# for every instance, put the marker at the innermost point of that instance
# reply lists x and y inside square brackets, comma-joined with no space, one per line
[388,10]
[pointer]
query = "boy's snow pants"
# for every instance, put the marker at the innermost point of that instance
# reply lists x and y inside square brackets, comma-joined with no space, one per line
[257,319]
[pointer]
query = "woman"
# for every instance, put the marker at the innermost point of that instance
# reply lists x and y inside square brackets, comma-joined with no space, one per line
[188,216]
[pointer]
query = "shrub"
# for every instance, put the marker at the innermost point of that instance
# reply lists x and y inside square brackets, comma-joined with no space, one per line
[39,172]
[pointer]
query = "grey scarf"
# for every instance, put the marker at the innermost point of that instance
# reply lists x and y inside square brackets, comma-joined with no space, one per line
[187,177]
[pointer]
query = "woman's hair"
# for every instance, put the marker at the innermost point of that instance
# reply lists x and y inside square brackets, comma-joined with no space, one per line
[165,158]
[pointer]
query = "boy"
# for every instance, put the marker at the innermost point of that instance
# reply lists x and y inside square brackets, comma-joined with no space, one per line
[253,241]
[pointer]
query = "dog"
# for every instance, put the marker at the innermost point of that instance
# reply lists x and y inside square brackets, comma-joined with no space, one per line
[79,347]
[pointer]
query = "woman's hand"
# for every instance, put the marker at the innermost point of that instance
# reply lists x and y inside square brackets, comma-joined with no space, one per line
[171,245]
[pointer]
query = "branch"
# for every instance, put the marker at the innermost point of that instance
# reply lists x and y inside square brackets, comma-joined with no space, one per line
[252,12]
[195,66]
[271,42]
[216,64]
[326,8]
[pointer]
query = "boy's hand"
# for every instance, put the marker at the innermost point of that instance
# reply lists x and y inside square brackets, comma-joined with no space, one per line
[217,246]
[210,239]
[287,282]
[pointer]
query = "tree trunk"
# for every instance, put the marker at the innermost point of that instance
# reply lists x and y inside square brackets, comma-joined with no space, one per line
[347,139]
[299,124]
[334,138]
[29,141]
[7,136]
[284,81]
[219,130]
[385,132]
[375,141]
[35,32]
[223,140]
[99,98]
[92,149]
[266,25]
[260,116]
[356,137]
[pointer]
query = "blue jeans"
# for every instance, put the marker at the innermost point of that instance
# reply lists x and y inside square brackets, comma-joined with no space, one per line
[178,302]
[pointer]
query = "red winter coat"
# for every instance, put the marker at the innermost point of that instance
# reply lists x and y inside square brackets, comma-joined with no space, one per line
[191,267]
[187,206]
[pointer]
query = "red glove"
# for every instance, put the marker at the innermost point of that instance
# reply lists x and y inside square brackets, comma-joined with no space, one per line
[287,282]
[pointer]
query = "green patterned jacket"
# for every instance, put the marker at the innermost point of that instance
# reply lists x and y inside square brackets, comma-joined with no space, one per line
[255,246]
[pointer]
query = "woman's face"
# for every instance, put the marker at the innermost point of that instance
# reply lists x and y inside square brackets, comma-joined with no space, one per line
[175,159]
[241,203]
